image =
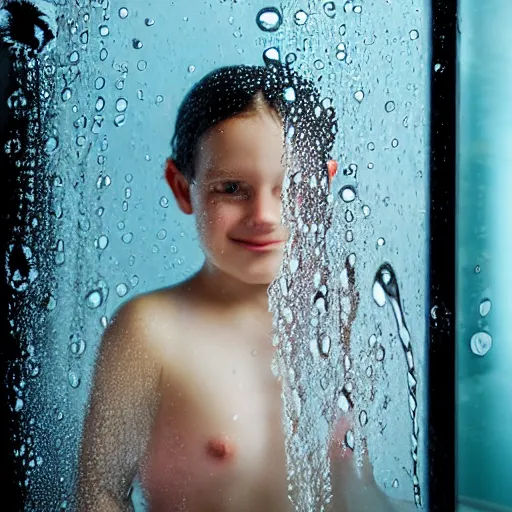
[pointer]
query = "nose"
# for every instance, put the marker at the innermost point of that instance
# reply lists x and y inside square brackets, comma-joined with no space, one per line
[264,210]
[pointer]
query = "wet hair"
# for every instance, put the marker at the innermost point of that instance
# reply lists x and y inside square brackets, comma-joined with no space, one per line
[309,123]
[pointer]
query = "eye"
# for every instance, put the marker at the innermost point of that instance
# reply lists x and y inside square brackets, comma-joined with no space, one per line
[230,188]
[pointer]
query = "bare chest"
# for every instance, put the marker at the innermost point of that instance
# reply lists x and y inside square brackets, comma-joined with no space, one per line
[218,428]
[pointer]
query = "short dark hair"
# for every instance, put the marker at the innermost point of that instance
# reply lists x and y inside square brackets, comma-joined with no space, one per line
[233,90]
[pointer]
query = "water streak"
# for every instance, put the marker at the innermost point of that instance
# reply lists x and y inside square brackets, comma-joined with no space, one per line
[386,287]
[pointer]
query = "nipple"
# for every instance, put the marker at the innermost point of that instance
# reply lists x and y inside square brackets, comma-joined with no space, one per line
[219,449]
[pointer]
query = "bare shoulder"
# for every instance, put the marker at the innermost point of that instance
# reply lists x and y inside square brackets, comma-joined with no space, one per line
[151,320]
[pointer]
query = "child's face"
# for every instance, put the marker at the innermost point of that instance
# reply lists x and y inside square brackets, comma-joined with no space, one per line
[236,196]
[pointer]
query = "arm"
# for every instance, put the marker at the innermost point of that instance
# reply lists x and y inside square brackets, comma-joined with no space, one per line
[120,415]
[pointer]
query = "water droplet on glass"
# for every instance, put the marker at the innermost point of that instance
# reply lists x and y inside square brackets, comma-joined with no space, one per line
[289,94]
[369,371]
[103,54]
[349,439]
[348,7]
[437,67]
[481,343]
[371,146]
[76,345]
[74,57]
[164,202]
[137,44]
[191,68]
[359,96]
[370,165]
[477,269]
[380,242]
[121,289]
[102,242]
[271,55]
[343,403]
[127,238]
[66,94]
[414,34]
[291,58]
[134,281]
[73,379]
[347,193]
[319,64]
[94,299]
[358,9]
[100,104]
[84,37]
[395,483]
[349,236]
[380,354]
[51,145]
[390,106]
[269,19]
[149,22]
[119,120]
[159,99]
[103,30]
[394,143]
[17,99]
[161,234]
[104,322]
[121,104]
[485,307]
[324,346]
[99,83]
[123,13]
[330,9]
[19,405]
[341,54]
[301,17]
[349,216]
[366,210]
[363,418]
[142,65]
[140,94]
[351,259]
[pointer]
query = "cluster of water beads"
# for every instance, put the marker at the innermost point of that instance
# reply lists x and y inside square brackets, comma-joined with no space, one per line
[385,288]
[481,342]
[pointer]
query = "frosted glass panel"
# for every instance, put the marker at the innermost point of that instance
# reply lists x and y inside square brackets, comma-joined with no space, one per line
[484,352]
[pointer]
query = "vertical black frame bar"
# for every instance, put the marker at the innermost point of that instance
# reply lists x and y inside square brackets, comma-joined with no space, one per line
[12,471]
[441,351]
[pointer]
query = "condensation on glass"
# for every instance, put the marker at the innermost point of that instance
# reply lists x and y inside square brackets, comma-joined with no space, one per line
[115,231]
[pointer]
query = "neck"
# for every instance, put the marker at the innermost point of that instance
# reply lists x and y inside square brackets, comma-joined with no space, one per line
[231,292]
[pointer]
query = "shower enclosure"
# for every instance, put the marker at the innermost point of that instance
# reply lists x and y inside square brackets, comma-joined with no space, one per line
[89,100]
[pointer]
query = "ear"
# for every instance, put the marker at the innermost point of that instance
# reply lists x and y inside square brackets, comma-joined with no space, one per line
[179,186]
[332,169]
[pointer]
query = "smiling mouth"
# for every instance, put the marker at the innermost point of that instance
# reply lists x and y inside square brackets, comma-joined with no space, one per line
[258,246]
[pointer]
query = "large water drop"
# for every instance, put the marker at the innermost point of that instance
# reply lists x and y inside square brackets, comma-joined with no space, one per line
[269,19]
[485,307]
[480,343]
[348,193]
